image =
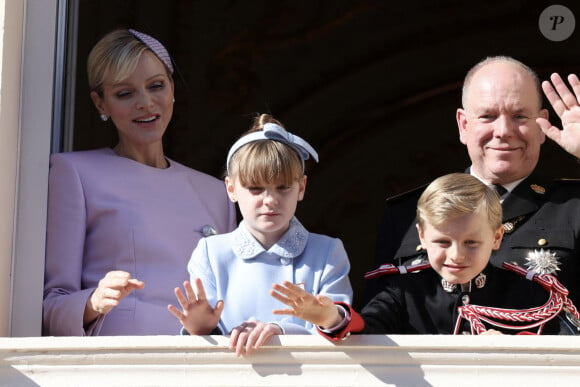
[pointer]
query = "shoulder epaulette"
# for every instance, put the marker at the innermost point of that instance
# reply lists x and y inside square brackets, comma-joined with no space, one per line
[547,281]
[389,268]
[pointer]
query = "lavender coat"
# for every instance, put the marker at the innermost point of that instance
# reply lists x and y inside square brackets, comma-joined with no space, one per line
[107,212]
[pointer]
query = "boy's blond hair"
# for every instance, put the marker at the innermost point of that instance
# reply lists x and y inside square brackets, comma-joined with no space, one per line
[458,194]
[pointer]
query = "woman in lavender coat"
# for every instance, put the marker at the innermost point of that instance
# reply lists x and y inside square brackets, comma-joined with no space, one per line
[122,222]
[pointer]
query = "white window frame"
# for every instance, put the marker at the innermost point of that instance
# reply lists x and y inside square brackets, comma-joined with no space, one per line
[38,100]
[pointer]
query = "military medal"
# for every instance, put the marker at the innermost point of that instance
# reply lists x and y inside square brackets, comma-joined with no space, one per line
[542,261]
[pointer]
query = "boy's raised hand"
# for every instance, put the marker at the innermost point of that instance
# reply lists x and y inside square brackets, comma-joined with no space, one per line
[319,310]
[197,315]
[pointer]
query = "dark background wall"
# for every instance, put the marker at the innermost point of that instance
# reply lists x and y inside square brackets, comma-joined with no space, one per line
[373,85]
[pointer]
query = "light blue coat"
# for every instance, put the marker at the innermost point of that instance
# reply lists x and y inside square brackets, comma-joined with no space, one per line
[235,268]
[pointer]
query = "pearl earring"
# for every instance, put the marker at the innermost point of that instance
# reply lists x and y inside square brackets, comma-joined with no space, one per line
[104,117]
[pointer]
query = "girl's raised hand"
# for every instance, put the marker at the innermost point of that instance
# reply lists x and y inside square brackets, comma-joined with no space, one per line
[319,310]
[252,335]
[197,315]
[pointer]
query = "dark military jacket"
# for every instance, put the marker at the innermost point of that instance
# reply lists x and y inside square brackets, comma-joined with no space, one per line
[417,303]
[542,228]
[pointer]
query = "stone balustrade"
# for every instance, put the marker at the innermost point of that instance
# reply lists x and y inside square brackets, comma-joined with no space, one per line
[292,361]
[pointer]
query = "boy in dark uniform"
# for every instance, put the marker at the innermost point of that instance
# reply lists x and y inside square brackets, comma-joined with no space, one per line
[459,224]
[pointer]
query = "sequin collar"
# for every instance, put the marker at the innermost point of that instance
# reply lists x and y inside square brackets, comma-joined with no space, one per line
[290,245]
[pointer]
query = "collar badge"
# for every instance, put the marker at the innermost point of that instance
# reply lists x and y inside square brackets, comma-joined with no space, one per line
[538,189]
[447,286]
[480,280]
[510,226]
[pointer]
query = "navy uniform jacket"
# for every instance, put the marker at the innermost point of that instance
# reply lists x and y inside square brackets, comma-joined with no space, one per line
[416,303]
[536,216]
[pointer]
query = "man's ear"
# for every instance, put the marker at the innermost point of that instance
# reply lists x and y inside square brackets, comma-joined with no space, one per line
[545,114]
[230,188]
[498,236]
[461,118]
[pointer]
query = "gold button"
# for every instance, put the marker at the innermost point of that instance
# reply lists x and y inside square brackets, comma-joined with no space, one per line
[419,248]
[542,242]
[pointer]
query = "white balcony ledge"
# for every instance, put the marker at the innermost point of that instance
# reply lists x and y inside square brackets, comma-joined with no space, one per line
[292,361]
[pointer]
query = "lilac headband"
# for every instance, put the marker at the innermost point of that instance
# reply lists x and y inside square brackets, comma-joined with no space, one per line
[154,45]
[275,133]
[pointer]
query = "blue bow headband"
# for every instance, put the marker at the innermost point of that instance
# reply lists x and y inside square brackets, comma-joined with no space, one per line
[275,133]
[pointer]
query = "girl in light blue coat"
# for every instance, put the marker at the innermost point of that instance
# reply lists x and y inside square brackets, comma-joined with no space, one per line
[233,273]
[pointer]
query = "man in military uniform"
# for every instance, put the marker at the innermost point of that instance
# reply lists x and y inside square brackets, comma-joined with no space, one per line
[503,127]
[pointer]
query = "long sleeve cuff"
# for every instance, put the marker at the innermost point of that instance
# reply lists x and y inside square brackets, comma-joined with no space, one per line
[344,313]
[353,324]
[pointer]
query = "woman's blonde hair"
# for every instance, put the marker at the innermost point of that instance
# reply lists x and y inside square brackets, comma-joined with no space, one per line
[114,58]
[458,194]
[265,161]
